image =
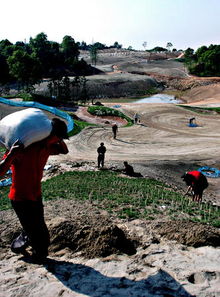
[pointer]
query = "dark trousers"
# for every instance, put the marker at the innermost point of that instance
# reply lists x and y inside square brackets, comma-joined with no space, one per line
[101,159]
[31,217]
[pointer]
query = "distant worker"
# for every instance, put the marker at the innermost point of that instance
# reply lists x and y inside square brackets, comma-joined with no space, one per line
[114,130]
[192,123]
[101,154]
[136,118]
[129,170]
[196,183]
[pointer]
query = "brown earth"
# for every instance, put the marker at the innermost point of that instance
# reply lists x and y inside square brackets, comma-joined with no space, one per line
[161,146]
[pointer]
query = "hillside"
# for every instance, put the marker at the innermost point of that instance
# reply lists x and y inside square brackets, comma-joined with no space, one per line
[95,253]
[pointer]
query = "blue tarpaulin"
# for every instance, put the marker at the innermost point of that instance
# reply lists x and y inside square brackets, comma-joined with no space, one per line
[192,125]
[55,111]
[210,171]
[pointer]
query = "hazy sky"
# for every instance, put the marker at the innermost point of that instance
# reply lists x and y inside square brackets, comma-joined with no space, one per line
[184,23]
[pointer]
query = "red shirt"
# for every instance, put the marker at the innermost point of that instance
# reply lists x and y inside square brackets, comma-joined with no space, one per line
[196,174]
[27,172]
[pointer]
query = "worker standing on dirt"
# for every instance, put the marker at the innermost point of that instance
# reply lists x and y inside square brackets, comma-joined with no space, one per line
[27,165]
[196,182]
[114,130]
[101,154]
[136,118]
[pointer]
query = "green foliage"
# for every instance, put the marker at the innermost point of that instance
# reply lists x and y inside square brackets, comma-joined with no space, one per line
[169,45]
[205,61]
[202,110]
[93,51]
[27,64]
[4,200]
[24,67]
[189,55]
[107,111]
[4,73]
[116,45]
[79,126]
[64,89]
[158,49]
[126,198]
[70,51]
[6,48]
[98,45]
[25,96]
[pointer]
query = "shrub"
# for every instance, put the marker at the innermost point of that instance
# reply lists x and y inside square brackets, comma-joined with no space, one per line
[107,111]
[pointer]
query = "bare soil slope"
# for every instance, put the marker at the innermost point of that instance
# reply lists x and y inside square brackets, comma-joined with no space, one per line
[95,254]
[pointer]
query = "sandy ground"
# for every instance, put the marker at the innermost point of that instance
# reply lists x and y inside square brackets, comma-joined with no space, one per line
[162,146]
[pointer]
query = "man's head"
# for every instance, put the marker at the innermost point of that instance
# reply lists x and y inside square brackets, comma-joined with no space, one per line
[125,163]
[59,128]
[187,178]
[102,143]
[184,175]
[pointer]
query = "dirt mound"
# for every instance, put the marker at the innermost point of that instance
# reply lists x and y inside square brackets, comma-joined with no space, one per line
[189,233]
[97,239]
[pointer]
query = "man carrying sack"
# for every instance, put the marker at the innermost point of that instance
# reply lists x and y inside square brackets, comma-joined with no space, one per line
[27,165]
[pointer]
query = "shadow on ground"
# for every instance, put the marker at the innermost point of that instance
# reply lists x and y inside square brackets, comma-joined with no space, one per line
[86,280]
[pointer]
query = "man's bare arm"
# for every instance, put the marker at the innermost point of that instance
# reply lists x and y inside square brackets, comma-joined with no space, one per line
[5,164]
[188,190]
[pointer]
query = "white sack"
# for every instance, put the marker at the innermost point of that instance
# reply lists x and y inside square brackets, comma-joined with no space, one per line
[29,125]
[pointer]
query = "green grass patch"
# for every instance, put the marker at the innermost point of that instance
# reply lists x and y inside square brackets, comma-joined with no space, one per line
[107,111]
[202,110]
[79,126]
[2,150]
[4,200]
[124,197]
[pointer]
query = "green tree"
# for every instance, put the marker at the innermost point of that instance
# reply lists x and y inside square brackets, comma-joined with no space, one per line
[189,55]
[93,51]
[4,73]
[41,47]
[6,48]
[169,45]
[200,51]
[158,49]
[205,62]
[117,45]
[83,45]
[84,92]
[70,51]
[24,68]
[99,46]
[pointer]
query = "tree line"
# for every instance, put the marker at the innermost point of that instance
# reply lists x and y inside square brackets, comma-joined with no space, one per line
[28,63]
[205,61]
